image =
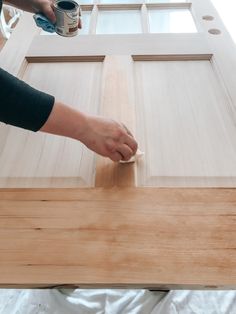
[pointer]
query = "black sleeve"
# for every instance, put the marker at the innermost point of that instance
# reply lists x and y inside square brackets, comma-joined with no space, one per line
[21,105]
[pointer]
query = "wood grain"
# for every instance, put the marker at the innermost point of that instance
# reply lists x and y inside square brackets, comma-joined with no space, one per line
[2,42]
[149,238]
[117,102]
[120,44]
[42,160]
[186,126]
[123,237]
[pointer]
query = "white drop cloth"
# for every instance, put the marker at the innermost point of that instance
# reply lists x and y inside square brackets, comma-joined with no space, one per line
[14,301]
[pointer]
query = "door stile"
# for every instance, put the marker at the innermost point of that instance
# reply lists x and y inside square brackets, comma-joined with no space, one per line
[220,43]
[117,102]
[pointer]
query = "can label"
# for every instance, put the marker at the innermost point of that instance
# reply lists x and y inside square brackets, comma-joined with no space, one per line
[67,17]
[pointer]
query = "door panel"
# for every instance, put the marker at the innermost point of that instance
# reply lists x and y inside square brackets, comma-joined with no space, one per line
[43,160]
[186,126]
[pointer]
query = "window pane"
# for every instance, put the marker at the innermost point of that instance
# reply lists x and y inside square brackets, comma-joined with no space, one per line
[171,21]
[119,22]
[85,22]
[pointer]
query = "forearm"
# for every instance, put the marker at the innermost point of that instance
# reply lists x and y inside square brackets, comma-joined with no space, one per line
[25,107]
[104,136]
[65,121]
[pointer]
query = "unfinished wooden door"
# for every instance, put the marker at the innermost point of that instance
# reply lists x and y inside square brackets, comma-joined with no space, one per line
[167,70]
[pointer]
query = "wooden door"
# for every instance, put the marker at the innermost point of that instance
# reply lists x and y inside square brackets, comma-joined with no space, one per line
[126,224]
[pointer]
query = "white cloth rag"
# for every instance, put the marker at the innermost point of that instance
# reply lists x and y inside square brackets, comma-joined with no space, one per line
[137,156]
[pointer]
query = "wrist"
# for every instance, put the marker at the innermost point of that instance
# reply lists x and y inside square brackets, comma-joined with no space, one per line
[80,125]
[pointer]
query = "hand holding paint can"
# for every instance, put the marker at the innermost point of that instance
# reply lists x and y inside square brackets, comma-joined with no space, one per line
[67,18]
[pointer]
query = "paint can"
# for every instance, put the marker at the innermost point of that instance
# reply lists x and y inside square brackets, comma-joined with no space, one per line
[67,17]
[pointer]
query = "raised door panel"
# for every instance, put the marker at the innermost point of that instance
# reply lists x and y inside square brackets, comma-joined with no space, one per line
[186,125]
[42,160]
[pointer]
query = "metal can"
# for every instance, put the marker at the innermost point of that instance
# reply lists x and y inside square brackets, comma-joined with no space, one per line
[67,17]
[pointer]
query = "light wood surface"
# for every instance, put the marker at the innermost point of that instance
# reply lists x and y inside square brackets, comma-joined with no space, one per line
[142,237]
[125,237]
[42,160]
[2,42]
[117,102]
[125,44]
[187,133]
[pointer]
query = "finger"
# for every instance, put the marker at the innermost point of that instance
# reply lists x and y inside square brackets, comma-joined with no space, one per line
[116,156]
[131,142]
[125,151]
[49,13]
